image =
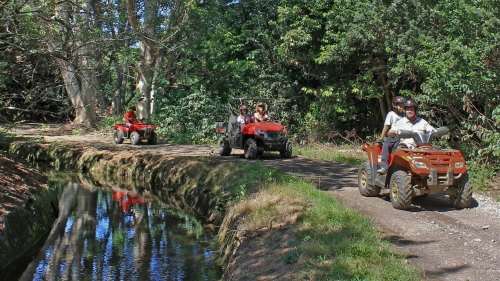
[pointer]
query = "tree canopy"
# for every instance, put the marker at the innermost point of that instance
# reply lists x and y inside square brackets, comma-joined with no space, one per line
[333,65]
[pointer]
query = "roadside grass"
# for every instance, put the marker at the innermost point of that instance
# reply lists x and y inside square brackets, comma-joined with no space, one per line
[347,153]
[485,179]
[332,242]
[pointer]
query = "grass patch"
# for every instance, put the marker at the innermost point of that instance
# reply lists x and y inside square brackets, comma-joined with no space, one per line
[332,242]
[347,154]
[485,179]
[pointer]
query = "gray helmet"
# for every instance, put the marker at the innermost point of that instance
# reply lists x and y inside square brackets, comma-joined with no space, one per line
[398,99]
[409,103]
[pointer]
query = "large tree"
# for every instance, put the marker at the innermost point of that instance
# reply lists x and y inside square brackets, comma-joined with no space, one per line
[68,37]
[155,24]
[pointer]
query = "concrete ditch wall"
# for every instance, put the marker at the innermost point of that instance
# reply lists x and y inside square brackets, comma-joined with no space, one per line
[196,185]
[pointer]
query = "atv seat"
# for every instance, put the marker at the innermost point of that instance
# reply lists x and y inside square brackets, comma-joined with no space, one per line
[234,131]
[233,125]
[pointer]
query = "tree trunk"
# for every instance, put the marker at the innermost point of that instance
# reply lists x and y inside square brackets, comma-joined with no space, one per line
[120,88]
[383,111]
[79,86]
[77,68]
[385,103]
[150,42]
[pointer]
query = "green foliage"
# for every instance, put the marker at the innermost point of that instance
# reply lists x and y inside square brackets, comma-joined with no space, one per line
[77,132]
[482,174]
[189,117]
[292,257]
[333,65]
[108,122]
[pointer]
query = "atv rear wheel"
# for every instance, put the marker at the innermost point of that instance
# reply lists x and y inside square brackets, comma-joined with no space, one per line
[135,138]
[463,198]
[287,151]
[251,149]
[401,190]
[364,181]
[118,136]
[153,139]
[224,147]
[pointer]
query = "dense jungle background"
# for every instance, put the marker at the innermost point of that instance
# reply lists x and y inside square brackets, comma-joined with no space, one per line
[334,66]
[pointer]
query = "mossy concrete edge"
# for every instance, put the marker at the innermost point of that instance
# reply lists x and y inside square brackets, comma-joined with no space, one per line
[195,185]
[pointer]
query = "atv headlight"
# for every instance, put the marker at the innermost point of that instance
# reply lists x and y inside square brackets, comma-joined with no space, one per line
[459,165]
[420,165]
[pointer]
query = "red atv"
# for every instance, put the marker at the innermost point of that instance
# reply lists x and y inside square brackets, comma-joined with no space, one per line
[136,132]
[254,138]
[416,172]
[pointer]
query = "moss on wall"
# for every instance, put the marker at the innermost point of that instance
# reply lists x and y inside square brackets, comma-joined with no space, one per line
[198,186]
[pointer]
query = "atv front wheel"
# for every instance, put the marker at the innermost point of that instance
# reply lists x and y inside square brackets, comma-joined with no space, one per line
[153,139]
[118,136]
[224,147]
[366,188]
[463,198]
[135,138]
[401,190]
[250,149]
[287,151]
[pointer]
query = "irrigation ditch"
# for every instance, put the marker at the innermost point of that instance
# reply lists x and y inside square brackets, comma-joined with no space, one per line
[198,186]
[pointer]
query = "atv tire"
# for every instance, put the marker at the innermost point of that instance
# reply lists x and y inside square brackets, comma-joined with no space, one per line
[364,181]
[287,151]
[153,139]
[135,138]
[251,149]
[118,136]
[224,147]
[401,190]
[463,198]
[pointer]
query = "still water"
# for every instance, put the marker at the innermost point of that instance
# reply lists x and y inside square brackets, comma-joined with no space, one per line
[102,234]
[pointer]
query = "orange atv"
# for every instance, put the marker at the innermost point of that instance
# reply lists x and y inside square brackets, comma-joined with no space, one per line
[416,172]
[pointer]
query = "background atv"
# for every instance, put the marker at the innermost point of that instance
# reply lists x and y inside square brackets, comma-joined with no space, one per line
[136,132]
[416,172]
[253,138]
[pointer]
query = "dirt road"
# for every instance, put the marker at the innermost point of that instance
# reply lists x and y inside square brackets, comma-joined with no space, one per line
[448,244]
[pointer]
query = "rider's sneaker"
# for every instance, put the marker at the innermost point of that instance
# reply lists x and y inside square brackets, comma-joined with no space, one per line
[382,171]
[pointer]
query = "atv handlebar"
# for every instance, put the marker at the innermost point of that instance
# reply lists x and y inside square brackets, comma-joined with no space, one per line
[441,131]
[423,138]
[404,134]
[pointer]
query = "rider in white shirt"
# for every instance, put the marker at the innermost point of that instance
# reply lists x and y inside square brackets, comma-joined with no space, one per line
[391,118]
[411,122]
[243,118]
[260,115]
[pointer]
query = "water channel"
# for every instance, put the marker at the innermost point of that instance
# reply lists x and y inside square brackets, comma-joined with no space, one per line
[104,234]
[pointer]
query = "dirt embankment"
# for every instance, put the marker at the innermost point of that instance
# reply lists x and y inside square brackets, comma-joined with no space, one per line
[26,208]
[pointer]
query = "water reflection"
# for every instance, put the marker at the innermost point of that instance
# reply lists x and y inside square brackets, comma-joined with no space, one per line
[103,235]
